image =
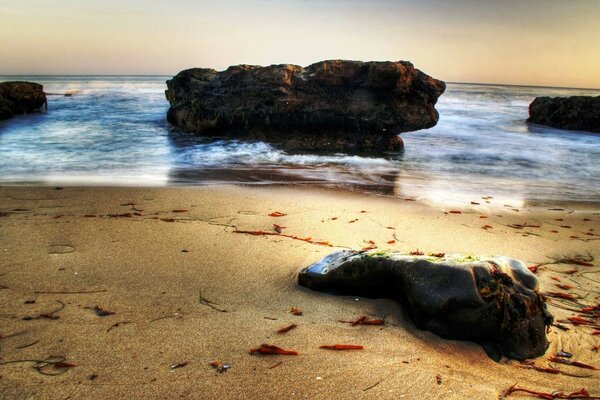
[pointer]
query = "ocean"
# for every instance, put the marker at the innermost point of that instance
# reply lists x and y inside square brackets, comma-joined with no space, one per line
[112,130]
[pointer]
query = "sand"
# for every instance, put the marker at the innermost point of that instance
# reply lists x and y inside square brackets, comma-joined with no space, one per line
[185,288]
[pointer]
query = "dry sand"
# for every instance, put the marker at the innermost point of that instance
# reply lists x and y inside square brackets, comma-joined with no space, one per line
[152,269]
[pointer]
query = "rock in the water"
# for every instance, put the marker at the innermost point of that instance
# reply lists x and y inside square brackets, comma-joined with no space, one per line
[577,113]
[20,98]
[490,301]
[330,105]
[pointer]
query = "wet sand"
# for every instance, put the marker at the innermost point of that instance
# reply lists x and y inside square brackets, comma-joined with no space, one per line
[185,288]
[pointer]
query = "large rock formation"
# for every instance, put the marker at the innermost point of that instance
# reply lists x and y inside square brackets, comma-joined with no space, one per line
[331,105]
[20,98]
[577,113]
[490,301]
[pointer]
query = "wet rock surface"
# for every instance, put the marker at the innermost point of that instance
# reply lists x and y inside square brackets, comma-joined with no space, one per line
[331,105]
[577,113]
[493,302]
[20,98]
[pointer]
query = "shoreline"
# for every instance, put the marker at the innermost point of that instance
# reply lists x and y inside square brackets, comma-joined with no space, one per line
[456,199]
[161,271]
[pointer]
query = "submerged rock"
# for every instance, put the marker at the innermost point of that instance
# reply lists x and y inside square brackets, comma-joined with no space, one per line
[330,105]
[20,98]
[490,301]
[577,113]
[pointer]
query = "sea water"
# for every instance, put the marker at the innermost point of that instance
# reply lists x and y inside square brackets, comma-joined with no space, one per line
[112,130]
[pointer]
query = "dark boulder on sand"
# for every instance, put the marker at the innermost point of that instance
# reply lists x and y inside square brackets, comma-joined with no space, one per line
[577,113]
[491,301]
[20,98]
[331,105]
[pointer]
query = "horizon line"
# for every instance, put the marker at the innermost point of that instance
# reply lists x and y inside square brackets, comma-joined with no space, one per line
[167,75]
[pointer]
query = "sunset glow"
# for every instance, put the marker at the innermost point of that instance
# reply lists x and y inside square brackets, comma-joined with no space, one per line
[527,42]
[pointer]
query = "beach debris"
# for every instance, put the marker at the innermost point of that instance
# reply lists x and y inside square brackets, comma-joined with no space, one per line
[174,315]
[295,311]
[278,228]
[275,365]
[577,259]
[438,255]
[24,346]
[118,324]
[454,212]
[557,394]
[563,286]
[288,328]
[438,379]
[492,301]
[560,295]
[370,245]
[566,361]
[364,320]
[99,311]
[48,315]
[205,302]
[564,354]
[341,347]
[391,241]
[277,214]
[179,211]
[416,252]
[51,366]
[307,239]
[220,367]
[353,220]
[70,291]
[270,349]
[179,365]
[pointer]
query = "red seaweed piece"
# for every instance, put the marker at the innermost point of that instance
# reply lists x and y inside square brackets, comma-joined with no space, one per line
[287,328]
[580,394]
[270,349]
[534,268]
[564,287]
[364,320]
[559,295]
[277,214]
[416,253]
[576,320]
[565,361]
[295,311]
[439,255]
[307,240]
[65,364]
[454,212]
[341,347]
[391,242]
[180,211]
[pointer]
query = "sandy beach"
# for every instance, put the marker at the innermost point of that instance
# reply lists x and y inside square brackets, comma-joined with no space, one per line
[183,289]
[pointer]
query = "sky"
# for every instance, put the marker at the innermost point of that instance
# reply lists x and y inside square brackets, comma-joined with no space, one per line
[522,42]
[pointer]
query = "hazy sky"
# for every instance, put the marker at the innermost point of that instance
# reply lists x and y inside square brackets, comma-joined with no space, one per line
[534,42]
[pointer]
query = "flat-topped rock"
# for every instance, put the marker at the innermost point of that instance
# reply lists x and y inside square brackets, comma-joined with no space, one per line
[331,105]
[20,98]
[577,113]
[493,301]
